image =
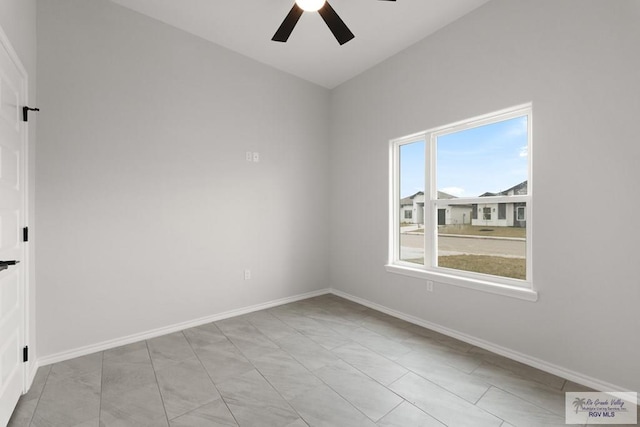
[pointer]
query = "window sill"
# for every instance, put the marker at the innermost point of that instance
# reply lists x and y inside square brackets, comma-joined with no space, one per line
[464,282]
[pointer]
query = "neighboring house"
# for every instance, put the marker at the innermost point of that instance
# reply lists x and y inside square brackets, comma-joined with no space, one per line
[501,214]
[412,210]
[453,214]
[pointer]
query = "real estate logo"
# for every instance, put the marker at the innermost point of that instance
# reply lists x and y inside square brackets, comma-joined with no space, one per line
[601,408]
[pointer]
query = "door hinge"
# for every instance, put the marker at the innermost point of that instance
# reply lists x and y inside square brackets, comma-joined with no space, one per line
[25,234]
[25,112]
[25,354]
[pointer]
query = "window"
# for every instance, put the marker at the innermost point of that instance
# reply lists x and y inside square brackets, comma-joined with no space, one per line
[486,214]
[474,231]
[408,214]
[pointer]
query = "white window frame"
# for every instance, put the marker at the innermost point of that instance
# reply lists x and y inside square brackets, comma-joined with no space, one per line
[522,289]
[524,213]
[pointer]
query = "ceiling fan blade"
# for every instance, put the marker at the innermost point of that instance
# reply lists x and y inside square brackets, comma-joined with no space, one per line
[288,24]
[335,24]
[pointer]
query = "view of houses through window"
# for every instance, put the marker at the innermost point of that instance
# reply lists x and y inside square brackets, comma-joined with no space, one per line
[463,194]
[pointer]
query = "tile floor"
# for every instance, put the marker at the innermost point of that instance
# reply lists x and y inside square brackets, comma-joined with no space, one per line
[324,361]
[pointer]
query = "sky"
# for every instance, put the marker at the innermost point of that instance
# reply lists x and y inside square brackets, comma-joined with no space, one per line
[469,163]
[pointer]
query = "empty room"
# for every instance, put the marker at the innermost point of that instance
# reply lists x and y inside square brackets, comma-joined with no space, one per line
[319,213]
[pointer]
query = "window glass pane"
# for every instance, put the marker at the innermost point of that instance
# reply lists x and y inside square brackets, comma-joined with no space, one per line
[486,214]
[487,160]
[412,202]
[483,245]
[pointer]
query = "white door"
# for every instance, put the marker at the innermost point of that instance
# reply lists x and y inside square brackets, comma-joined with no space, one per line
[12,220]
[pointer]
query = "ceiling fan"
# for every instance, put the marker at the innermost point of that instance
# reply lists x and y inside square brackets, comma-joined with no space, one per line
[331,18]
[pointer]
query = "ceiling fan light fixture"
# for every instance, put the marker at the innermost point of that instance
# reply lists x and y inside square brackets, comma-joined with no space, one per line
[340,31]
[310,5]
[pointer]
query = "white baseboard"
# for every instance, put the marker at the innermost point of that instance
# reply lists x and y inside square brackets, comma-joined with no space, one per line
[31,374]
[106,345]
[576,377]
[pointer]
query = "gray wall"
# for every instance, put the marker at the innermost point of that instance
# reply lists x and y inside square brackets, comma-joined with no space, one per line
[18,21]
[147,211]
[578,62]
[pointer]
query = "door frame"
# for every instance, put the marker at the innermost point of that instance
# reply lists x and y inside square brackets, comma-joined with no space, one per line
[27,375]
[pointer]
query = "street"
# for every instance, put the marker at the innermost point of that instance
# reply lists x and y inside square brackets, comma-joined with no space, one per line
[412,244]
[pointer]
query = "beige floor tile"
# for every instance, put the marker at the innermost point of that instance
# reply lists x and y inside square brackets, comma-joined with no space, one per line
[516,411]
[532,391]
[449,378]
[442,405]
[370,397]
[405,415]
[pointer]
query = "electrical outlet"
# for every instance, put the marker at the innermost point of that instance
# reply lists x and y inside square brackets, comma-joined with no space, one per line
[247,274]
[249,156]
[429,286]
[256,157]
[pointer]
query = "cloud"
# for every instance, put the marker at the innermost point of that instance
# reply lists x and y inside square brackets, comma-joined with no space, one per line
[524,151]
[454,191]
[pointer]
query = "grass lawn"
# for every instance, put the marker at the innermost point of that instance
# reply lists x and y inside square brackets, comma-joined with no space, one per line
[515,268]
[477,230]
[495,265]
[480,230]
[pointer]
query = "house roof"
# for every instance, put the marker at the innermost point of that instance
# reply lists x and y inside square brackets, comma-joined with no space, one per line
[443,195]
[409,199]
[518,189]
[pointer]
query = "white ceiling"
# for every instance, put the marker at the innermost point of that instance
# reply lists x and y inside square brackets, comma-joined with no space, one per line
[381,28]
